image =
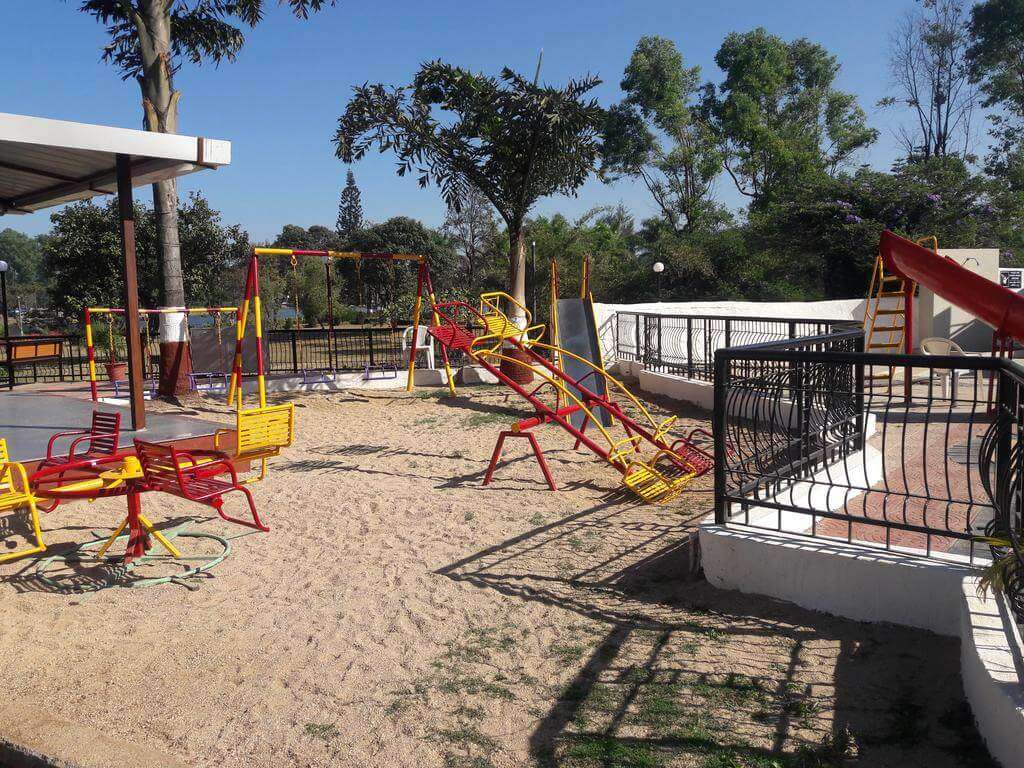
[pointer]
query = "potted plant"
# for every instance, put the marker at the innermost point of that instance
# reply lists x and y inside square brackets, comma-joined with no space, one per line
[1006,573]
[115,370]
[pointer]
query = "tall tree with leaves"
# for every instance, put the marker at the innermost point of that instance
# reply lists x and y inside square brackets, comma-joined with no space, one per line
[350,209]
[660,135]
[931,74]
[148,41]
[514,140]
[996,57]
[473,229]
[779,117]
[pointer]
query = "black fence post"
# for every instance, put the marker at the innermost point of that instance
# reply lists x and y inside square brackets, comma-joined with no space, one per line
[718,422]
[1006,397]
[661,354]
[859,385]
[295,351]
[369,339]
[636,333]
[689,347]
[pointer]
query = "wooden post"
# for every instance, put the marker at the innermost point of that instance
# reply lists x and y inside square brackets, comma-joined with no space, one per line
[131,291]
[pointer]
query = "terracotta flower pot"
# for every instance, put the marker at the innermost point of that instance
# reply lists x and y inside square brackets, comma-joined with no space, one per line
[116,371]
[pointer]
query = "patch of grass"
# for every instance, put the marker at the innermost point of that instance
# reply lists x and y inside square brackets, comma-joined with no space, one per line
[798,704]
[575,543]
[567,654]
[486,419]
[431,394]
[713,634]
[906,724]
[466,736]
[469,515]
[658,705]
[426,421]
[611,753]
[325,731]
[537,519]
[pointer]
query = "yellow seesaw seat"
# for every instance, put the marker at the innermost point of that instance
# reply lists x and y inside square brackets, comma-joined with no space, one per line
[262,433]
[11,498]
[649,483]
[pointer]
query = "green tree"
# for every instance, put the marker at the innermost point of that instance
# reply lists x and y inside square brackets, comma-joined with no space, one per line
[996,57]
[660,134]
[391,285]
[473,230]
[513,140]
[350,209]
[148,41]
[24,256]
[779,118]
[82,257]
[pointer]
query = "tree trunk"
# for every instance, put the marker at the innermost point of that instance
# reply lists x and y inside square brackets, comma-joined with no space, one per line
[520,372]
[160,106]
[517,263]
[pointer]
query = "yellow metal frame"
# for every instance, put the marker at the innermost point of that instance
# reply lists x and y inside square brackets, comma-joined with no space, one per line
[12,499]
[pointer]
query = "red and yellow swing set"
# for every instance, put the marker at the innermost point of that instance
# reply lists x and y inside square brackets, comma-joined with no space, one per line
[264,430]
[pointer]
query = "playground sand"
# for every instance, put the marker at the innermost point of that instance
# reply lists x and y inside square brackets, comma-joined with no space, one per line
[400,614]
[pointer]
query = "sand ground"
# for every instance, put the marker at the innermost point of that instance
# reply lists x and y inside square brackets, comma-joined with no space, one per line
[399,614]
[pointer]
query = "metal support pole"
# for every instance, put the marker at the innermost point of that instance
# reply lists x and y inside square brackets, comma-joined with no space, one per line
[718,421]
[126,213]
[330,313]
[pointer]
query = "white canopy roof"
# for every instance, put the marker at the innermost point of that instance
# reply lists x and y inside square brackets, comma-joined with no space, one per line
[47,162]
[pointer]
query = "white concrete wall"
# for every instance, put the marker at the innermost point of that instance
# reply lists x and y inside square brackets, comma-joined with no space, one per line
[937,317]
[839,309]
[990,666]
[848,580]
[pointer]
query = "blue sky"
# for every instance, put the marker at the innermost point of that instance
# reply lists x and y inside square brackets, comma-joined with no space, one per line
[279,102]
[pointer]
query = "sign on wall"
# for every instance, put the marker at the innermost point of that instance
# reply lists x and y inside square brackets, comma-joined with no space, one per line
[1012,278]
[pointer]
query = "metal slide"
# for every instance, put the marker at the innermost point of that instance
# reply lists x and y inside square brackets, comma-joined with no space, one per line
[988,301]
[577,333]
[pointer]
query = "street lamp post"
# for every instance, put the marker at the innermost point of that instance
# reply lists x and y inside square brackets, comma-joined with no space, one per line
[658,269]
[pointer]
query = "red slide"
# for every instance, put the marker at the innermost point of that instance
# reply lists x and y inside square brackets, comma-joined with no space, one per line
[988,301]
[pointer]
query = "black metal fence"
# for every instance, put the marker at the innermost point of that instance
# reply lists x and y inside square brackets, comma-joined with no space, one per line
[685,345]
[287,351]
[913,452]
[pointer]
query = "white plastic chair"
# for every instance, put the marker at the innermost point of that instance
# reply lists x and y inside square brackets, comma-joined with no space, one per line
[946,348]
[424,343]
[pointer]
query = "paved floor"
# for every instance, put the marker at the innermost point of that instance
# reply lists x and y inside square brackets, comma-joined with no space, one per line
[28,419]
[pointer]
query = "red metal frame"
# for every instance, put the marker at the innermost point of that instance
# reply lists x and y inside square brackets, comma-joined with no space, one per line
[193,475]
[546,413]
[537,452]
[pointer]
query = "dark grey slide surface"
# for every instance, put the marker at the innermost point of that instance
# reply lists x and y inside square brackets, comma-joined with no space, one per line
[577,333]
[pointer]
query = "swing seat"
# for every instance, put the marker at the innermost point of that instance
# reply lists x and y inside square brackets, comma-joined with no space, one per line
[651,484]
[261,433]
[14,497]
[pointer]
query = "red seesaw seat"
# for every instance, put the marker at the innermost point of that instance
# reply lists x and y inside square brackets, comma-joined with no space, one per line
[195,475]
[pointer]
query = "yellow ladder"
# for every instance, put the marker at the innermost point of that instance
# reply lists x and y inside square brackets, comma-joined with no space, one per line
[885,320]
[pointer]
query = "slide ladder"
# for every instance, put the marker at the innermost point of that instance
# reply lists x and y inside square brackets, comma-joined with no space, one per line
[885,320]
[658,479]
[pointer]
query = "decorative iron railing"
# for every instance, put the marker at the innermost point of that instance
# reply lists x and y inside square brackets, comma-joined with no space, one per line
[685,345]
[908,452]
